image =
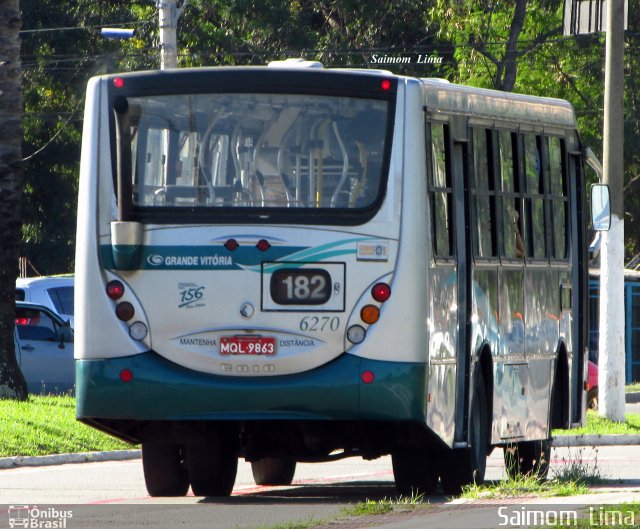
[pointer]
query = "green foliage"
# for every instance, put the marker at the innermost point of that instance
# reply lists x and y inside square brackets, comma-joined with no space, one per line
[513,45]
[527,485]
[385,505]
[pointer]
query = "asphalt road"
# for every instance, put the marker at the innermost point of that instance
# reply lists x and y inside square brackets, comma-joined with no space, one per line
[113,493]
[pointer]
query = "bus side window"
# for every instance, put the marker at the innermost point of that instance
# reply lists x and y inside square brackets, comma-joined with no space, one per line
[440,191]
[559,199]
[534,197]
[483,192]
[512,243]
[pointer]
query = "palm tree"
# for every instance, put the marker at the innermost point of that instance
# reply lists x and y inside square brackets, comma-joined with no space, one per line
[12,383]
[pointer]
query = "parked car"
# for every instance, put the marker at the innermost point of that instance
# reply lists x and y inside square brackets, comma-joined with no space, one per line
[592,382]
[44,349]
[54,292]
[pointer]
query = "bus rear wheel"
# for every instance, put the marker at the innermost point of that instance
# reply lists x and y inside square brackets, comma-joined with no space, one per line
[212,467]
[464,466]
[273,470]
[528,458]
[414,472]
[164,470]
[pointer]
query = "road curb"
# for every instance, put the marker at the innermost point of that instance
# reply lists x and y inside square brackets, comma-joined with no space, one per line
[595,440]
[632,398]
[63,459]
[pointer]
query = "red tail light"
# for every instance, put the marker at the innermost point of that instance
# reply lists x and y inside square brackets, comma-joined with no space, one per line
[125,311]
[231,245]
[115,289]
[263,245]
[381,292]
[367,377]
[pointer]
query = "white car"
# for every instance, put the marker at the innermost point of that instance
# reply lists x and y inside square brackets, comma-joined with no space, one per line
[54,292]
[44,350]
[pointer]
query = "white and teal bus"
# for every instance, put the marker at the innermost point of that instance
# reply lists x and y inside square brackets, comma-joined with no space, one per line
[290,264]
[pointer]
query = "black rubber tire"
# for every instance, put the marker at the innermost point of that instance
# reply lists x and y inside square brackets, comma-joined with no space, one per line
[528,458]
[460,467]
[212,467]
[164,470]
[273,470]
[414,472]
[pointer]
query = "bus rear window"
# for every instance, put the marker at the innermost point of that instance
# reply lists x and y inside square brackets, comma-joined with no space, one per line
[261,151]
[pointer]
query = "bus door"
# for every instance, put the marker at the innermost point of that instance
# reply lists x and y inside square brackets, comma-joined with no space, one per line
[462,245]
[578,302]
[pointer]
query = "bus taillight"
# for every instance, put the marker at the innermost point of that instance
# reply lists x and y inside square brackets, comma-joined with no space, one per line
[356,334]
[138,331]
[125,311]
[231,245]
[381,292]
[263,245]
[367,377]
[115,289]
[370,314]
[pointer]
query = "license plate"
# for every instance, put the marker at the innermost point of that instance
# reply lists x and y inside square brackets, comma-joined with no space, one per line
[247,345]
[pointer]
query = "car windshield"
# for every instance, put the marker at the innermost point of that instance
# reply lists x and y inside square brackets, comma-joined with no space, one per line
[257,151]
[62,298]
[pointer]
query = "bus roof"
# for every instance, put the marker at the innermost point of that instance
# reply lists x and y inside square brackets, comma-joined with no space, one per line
[449,98]
[440,96]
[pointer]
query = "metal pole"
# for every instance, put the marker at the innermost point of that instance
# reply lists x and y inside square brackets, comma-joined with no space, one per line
[611,377]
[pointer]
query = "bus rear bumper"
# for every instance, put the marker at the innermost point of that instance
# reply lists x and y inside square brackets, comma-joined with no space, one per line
[160,390]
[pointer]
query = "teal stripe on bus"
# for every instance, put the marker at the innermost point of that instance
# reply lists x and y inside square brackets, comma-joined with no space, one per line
[197,257]
[163,390]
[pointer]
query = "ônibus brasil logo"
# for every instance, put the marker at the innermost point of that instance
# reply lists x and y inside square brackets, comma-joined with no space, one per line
[38,518]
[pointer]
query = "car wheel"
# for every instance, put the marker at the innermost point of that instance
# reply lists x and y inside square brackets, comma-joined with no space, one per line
[592,399]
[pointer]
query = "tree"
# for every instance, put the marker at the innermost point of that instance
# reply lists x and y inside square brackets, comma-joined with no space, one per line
[61,49]
[12,383]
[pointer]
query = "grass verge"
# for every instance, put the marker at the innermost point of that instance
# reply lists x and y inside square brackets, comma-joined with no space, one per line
[384,506]
[47,425]
[524,486]
[600,425]
[571,477]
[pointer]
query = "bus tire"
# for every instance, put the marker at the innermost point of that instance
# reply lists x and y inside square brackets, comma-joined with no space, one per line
[212,467]
[460,467]
[414,472]
[273,470]
[164,470]
[528,458]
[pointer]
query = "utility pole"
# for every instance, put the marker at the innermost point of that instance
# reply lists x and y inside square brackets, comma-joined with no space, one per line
[168,14]
[611,362]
